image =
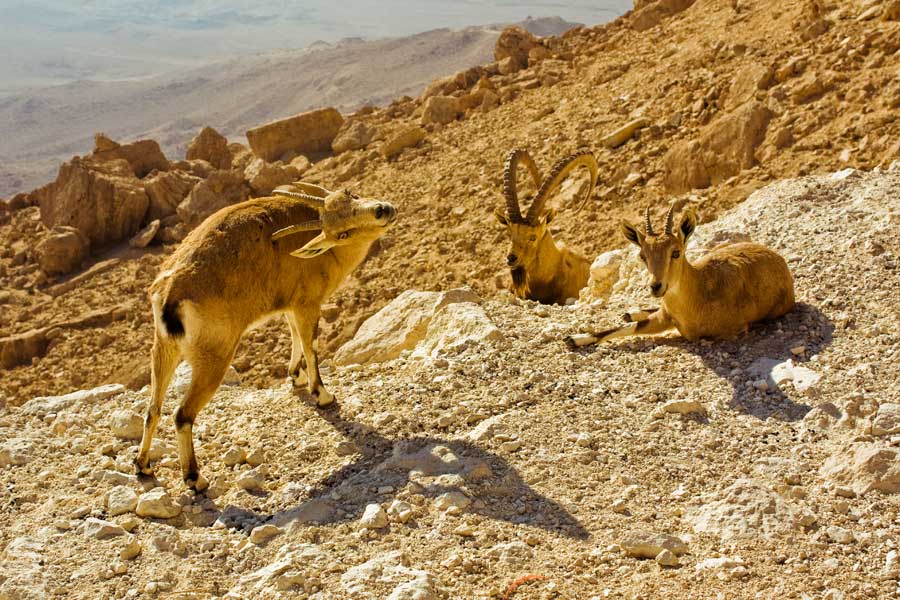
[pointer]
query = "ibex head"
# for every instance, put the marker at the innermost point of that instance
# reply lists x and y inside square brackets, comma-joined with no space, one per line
[344,218]
[662,253]
[529,232]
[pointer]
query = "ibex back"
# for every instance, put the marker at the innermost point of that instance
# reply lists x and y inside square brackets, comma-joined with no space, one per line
[246,263]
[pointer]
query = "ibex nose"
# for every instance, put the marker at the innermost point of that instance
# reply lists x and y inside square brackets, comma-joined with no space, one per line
[511,259]
[655,287]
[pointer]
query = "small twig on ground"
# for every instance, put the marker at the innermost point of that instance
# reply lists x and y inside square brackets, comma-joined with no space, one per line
[521,580]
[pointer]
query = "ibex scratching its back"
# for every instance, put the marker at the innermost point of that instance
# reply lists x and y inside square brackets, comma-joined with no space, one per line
[542,270]
[243,264]
[718,296]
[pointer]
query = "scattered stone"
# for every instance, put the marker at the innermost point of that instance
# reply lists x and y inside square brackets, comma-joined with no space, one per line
[515,43]
[254,479]
[892,565]
[166,190]
[15,451]
[840,535]
[220,189]
[126,424]
[131,550]
[683,407]
[263,177]
[393,569]
[512,553]
[666,558]
[45,405]
[120,500]
[864,467]
[643,544]
[234,456]
[452,502]
[264,533]
[400,511]
[354,135]
[887,419]
[440,109]
[143,237]
[100,529]
[373,517]
[401,139]
[256,458]
[62,251]
[157,504]
[295,567]
[211,146]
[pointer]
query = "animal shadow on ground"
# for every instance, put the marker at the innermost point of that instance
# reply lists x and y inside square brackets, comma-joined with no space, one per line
[751,358]
[435,466]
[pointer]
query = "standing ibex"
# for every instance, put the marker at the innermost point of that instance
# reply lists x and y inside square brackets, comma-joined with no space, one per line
[719,296]
[540,269]
[240,266]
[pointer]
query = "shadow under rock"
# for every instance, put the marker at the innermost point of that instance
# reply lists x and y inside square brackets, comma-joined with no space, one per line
[434,466]
[752,356]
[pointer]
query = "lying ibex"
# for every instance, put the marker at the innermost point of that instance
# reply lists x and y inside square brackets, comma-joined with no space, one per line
[240,266]
[540,269]
[719,296]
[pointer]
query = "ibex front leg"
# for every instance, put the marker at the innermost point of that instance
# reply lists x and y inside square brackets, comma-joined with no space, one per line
[305,321]
[656,323]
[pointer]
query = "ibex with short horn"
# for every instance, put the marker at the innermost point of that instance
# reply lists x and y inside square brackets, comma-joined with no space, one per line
[542,270]
[719,296]
[243,264]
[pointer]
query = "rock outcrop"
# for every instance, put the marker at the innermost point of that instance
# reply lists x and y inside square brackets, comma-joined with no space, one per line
[211,146]
[308,132]
[62,251]
[220,189]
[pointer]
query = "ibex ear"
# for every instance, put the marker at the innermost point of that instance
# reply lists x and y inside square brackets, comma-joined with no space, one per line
[313,247]
[549,215]
[501,217]
[632,233]
[688,224]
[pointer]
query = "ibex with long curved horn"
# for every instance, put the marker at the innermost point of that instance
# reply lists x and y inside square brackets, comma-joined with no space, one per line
[542,270]
[243,264]
[719,296]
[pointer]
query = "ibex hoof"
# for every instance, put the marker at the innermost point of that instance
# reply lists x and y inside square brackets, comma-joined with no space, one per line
[323,397]
[627,317]
[196,482]
[142,467]
[299,379]
[579,340]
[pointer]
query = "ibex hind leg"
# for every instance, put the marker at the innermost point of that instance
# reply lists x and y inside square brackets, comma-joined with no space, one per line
[208,369]
[639,315]
[164,356]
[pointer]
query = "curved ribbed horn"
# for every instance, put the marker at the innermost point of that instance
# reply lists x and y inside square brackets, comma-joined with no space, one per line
[510,183]
[292,229]
[669,218]
[648,226]
[559,173]
[311,188]
[312,201]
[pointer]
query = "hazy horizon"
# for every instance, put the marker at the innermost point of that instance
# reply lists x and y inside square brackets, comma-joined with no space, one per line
[49,42]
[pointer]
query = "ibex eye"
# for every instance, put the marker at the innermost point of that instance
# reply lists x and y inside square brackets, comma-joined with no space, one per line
[643,259]
[379,212]
[343,236]
[676,254]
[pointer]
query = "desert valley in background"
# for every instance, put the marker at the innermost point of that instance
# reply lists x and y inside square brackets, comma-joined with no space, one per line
[471,453]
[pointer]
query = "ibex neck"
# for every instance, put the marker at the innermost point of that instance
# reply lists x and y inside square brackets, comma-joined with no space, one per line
[546,266]
[686,286]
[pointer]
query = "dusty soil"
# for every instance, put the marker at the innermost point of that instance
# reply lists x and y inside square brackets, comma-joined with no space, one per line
[518,456]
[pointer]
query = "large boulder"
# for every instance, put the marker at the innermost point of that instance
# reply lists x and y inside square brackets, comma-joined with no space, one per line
[211,146]
[404,138]
[264,177]
[144,156]
[102,199]
[309,132]
[440,109]
[864,467]
[651,14]
[62,251]
[399,326]
[515,42]
[725,148]
[165,191]
[220,189]
[353,136]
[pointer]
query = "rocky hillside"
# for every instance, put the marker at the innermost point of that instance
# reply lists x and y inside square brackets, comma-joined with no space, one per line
[703,99]
[472,455]
[41,128]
